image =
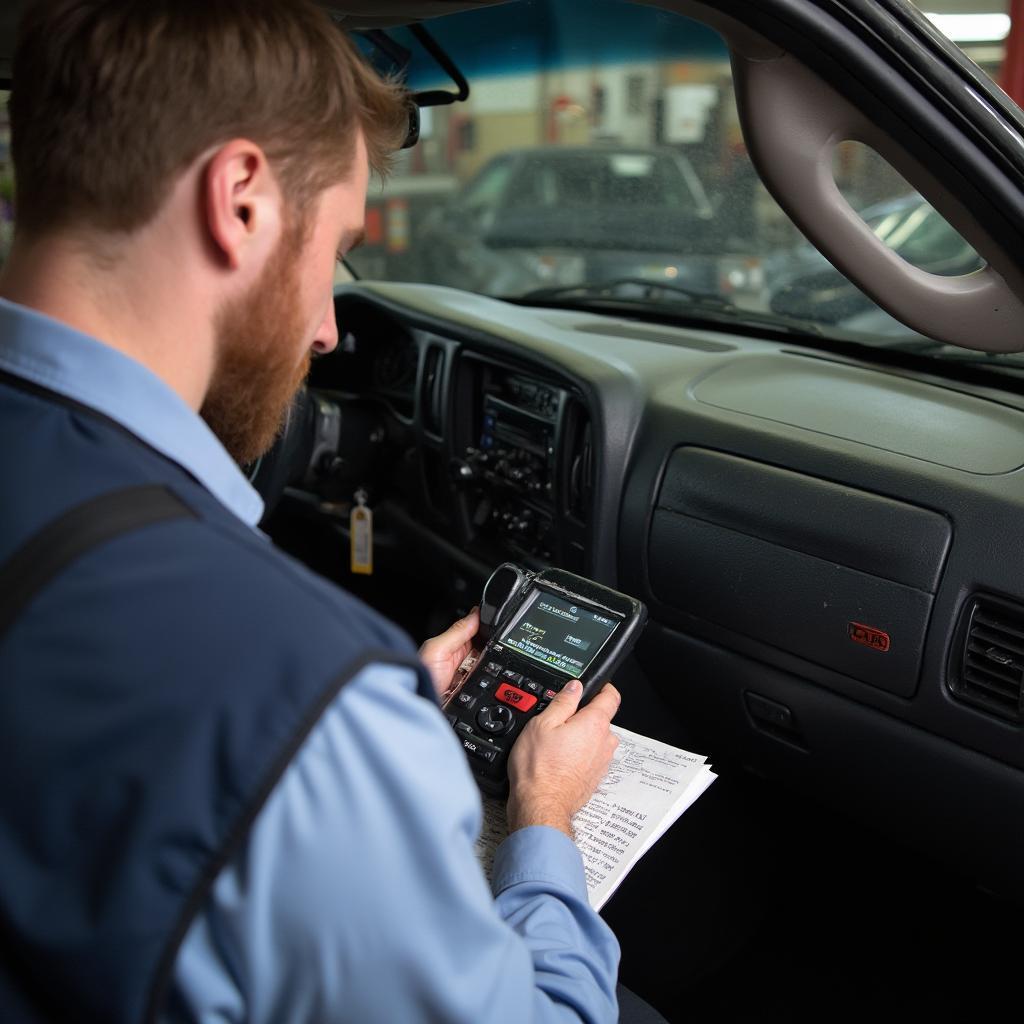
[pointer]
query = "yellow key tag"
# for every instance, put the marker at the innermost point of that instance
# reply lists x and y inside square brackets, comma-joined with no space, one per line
[361,531]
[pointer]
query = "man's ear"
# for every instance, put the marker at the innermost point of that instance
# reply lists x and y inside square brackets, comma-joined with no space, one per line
[242,203]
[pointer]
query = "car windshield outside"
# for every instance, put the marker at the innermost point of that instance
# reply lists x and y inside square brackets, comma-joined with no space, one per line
[599,156]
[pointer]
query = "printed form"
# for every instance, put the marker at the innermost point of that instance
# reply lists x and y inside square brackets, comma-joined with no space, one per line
[649,784]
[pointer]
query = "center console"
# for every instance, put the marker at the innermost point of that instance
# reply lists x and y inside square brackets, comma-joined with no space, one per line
[522,462]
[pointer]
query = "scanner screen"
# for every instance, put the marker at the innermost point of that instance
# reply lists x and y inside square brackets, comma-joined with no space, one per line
[559,633]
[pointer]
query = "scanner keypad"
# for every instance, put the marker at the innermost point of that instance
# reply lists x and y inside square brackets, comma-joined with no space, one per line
[495,703]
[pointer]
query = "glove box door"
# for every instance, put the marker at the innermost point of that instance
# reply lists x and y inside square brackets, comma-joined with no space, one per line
[837,576]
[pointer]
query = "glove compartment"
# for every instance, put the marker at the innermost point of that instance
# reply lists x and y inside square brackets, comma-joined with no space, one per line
[837,576]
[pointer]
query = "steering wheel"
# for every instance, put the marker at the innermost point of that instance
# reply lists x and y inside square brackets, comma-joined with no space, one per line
[287,460]
[328,445]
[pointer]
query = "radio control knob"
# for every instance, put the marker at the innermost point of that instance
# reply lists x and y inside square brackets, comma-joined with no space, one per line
[462,472]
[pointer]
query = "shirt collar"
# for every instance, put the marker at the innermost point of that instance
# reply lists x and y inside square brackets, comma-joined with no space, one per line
[52,355]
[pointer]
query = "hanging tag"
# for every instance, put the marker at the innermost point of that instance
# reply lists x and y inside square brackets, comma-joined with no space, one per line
[361,531]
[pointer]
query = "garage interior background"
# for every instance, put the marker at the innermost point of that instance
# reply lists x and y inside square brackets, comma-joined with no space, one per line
[683,101]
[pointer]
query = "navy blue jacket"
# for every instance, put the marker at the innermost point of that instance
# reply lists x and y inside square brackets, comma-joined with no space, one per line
[150,698]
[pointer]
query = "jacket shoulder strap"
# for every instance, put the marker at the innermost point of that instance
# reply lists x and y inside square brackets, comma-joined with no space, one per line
[75,532]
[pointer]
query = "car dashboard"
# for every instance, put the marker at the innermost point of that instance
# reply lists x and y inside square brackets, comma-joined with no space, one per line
[829,547]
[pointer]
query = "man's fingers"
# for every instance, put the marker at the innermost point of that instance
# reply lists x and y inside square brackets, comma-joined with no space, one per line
[605,703]
[565,703]
[466,629]
[454,636]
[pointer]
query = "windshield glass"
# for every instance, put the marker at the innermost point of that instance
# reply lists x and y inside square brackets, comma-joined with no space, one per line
[600,146]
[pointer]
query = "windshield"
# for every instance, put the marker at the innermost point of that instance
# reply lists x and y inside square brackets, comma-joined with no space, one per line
[600,146]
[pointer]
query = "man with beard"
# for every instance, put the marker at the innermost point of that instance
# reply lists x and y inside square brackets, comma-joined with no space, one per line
[213,803]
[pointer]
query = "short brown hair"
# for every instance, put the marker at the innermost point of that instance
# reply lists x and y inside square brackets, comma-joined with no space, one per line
[112,99]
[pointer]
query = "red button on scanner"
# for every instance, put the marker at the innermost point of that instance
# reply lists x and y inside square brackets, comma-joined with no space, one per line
[515,697]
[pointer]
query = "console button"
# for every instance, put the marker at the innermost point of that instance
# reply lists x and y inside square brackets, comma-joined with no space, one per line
[467,700]
[512,676]
[495,719]
[479,748]
[532,686]
[493,668]
[515,697]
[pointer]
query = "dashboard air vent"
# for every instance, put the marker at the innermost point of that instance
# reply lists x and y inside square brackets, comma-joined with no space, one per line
[991,653]
[580,483]
[432,390]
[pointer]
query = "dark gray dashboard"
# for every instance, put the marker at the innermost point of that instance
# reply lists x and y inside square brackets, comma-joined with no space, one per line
[811,533]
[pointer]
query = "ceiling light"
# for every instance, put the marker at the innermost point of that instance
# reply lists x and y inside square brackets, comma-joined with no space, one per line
[972,28]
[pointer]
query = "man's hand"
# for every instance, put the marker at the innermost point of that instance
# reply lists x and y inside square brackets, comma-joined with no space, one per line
[560,758]
[443,654]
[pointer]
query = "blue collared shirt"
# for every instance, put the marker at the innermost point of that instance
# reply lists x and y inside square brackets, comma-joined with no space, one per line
[358,896]
[46,352]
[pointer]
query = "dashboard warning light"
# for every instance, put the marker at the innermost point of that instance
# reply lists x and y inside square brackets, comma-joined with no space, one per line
[876,639]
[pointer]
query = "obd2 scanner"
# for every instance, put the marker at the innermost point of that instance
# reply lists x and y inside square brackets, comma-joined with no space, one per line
[537,631]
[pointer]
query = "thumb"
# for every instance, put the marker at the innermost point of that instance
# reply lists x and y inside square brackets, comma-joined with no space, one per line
[457,633]
[565,703]
[465,629]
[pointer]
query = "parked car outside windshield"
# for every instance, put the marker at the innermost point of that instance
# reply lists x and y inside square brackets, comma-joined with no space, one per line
[569,215]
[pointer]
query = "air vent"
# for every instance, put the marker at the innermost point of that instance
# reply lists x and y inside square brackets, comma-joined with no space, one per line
[580,466]
[990,674]
[432,390]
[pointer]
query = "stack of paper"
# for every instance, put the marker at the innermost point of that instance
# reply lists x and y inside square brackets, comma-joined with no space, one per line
[648,786]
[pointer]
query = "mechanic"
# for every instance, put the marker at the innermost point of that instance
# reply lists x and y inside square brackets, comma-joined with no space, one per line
[229,792]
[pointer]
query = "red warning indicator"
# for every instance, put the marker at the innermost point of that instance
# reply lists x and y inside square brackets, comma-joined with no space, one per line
[876,639]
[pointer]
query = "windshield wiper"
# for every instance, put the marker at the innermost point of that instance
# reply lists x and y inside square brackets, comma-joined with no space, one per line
[714,306]
[998,361]
[946,353]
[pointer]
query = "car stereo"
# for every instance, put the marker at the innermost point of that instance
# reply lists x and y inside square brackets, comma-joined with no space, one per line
[512,462]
